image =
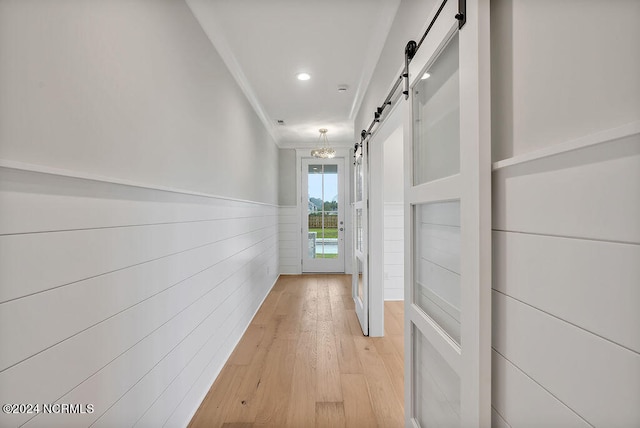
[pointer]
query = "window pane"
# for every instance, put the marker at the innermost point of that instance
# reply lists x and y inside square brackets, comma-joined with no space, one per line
[314,209]
[315,188]
[436,145]
[360,289]
[359,178]
[436,386]
[437,263]
[359,229]
[330,212]
[323,211]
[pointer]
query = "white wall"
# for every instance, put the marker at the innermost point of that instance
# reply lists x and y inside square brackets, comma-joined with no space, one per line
[393,216]
[561,70]
[131,90]
[127,267]
[393,167]
[393,251]
[289,214]
[566,240]
[127,298]
[287,177]
[289,240]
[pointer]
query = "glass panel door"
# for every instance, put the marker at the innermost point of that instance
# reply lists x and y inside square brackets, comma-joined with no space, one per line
[323,221]
[360,242]
[447,226]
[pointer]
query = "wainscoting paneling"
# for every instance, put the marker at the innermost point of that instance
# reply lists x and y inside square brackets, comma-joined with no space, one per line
[289,237]
[552,274]
[129,298]
[596,378]
[497,421]
[525,403]
[393,251]
[566,326]
[591,193]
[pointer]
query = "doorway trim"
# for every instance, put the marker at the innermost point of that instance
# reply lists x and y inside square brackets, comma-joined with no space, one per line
[392,121]
[323,264]
[342,155]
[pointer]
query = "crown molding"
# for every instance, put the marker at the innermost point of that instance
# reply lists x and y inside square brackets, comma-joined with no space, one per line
[386,15]
[219,42]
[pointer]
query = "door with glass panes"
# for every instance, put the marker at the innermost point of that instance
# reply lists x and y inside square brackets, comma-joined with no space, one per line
[447,225]
[323,225]
[360,279]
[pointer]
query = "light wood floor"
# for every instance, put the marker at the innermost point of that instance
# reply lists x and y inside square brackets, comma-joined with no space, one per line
[303,362]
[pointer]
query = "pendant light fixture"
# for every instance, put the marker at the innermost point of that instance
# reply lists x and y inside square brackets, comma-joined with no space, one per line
[323,150]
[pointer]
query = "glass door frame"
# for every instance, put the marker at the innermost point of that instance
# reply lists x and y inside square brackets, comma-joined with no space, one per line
[360,282]
[324,265]
[471,359]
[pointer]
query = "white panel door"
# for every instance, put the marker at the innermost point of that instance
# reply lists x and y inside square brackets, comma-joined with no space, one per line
[323,226]
[360,238]
[447,225]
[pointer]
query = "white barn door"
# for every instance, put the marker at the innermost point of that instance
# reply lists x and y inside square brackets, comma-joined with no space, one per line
[360,238]
[448,225]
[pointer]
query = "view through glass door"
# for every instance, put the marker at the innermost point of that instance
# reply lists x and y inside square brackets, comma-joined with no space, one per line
[322,219]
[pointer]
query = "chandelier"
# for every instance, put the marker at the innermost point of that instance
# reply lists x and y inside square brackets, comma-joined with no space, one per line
[323,150]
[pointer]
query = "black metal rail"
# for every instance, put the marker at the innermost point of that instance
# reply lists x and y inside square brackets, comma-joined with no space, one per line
[409,52]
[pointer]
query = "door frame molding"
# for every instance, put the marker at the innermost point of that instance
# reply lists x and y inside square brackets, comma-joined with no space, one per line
[388,125]
[344,155]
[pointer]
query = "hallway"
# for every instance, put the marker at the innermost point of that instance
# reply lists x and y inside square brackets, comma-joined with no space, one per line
[156,214]
[303,362]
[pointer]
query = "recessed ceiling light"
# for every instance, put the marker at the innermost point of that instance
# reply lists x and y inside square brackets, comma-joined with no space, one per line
[303,76]
[425,76]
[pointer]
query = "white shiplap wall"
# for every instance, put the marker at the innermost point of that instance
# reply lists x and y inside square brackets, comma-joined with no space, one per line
[566,213]
[125,297]
[393,251]
[289,240]
[566,284]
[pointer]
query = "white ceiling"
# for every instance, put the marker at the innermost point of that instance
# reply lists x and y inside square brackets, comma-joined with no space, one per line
[265,43]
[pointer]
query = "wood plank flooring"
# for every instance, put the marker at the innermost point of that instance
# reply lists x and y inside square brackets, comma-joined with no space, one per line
[303,362]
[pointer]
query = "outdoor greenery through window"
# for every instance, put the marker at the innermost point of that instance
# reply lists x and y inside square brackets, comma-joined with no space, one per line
[323,211]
